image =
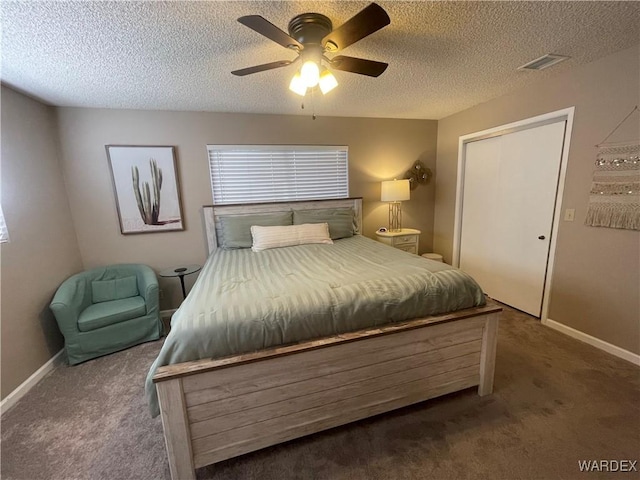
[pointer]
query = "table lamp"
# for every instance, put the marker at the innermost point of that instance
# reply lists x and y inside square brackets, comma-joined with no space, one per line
[394,192]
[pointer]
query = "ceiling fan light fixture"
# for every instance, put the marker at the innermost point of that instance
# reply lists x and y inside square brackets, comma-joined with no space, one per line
[310,73]
[327,81]
[311,35]
[297,85]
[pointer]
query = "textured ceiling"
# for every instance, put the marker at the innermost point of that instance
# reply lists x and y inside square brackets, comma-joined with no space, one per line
[443,56]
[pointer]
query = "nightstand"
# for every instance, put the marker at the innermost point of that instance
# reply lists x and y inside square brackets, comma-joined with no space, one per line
[406,239]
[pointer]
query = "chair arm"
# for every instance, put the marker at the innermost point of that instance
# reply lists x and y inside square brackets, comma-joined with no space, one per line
[67,304]
[148,286]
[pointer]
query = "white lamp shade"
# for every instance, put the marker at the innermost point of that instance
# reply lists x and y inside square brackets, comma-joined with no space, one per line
[297,85]
[327,81]
[310,73]
[395,191]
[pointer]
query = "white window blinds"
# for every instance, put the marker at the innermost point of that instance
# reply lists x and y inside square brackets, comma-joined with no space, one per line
[277,173]
[4,233]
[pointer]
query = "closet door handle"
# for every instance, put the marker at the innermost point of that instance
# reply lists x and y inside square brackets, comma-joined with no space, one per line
[541,237]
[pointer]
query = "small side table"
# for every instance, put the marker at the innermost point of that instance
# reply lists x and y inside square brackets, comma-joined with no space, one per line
[181,272]
[406,239]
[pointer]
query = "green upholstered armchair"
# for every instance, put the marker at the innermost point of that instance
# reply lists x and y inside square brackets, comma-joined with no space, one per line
[107,309]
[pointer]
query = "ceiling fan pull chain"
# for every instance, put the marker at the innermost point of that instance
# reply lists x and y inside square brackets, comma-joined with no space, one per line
[313,104]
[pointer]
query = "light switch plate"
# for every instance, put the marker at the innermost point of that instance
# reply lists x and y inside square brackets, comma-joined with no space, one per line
[569,214]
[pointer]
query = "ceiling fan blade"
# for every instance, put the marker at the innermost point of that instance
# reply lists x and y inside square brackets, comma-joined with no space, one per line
[261,68]
[369,20]
[358,65]
[269,30]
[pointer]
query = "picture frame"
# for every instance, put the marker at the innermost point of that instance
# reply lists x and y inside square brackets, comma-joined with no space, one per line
[146,188]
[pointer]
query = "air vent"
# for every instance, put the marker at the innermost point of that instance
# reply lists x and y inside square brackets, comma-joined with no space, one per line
[543,62]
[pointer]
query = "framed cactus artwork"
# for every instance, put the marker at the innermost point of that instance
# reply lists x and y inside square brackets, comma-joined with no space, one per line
[145,183]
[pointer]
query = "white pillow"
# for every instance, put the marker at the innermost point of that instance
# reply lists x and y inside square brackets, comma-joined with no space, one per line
[289,235]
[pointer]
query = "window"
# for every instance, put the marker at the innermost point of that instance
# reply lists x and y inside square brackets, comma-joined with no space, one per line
[4,233]
[277,173]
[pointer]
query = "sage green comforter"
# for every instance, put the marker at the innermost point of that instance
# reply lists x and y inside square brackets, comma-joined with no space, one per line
[245,301]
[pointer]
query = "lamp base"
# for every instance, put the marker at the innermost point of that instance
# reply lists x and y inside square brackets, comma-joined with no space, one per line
[395,217]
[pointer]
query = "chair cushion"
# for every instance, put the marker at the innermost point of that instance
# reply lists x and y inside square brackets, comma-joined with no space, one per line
[102,314]
[115,289]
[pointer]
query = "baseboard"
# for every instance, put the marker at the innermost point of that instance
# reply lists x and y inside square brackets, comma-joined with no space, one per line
[596,342]
[11,399]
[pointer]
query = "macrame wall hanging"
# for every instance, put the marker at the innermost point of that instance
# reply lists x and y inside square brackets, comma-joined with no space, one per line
[614,200]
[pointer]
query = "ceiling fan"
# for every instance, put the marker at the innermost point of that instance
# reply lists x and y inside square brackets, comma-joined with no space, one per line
[312,35]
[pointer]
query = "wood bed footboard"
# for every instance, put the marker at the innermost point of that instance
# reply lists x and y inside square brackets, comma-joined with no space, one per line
[213,410]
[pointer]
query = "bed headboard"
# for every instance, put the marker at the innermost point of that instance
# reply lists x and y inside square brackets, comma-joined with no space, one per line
[211,212]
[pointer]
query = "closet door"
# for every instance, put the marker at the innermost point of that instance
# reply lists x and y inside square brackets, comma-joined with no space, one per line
[510,185]
[479,205]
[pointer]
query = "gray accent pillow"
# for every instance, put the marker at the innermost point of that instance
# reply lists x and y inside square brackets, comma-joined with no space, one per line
[116,289]
[235,231]
[340,220]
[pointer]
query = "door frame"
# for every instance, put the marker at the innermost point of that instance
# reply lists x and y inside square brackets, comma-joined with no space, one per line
[565,114]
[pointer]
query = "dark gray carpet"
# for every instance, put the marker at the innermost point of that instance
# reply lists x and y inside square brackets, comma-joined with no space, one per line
[556,401]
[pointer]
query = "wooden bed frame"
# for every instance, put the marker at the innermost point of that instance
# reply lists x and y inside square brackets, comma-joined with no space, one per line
[216,409]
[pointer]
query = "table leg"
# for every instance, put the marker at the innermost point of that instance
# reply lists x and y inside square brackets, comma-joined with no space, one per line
[184,293]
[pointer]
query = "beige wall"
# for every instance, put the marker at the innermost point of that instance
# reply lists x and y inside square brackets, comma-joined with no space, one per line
[379,149]
[43,250]
[596,277]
